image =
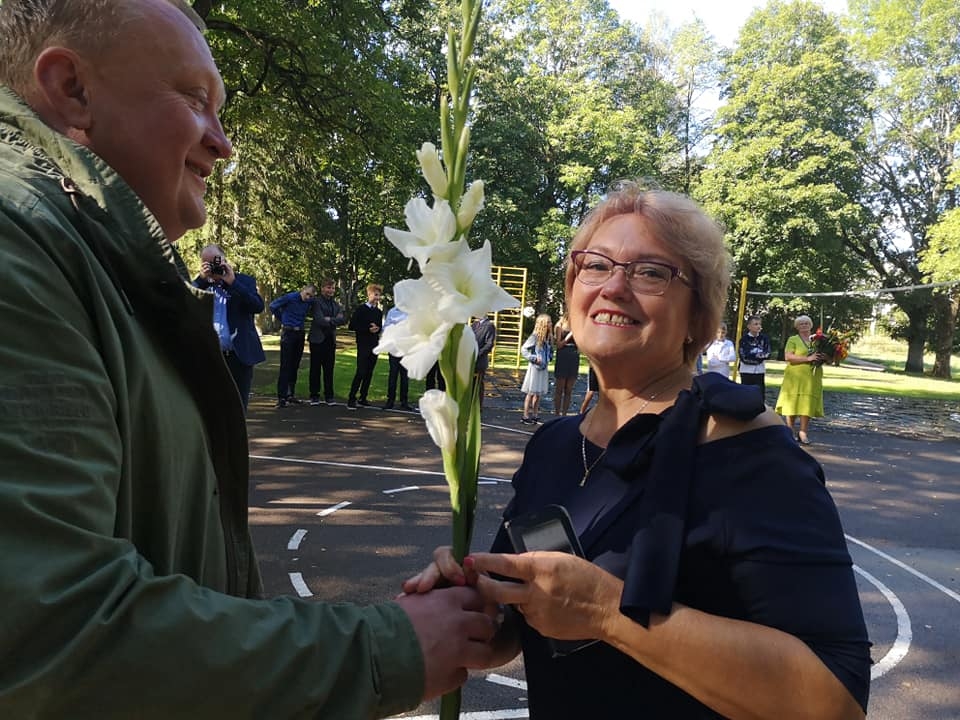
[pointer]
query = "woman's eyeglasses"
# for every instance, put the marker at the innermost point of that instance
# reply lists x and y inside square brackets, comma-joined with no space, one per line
[646,277]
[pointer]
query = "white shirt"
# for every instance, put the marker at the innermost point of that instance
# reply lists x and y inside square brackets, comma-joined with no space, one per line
[720,353]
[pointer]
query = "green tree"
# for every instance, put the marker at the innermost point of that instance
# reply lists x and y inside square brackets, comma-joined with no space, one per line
[913,48]
[784,174]
[569,103]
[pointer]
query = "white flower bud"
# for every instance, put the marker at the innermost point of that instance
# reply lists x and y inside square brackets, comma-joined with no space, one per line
[470,204]
[429,160]
[440,411]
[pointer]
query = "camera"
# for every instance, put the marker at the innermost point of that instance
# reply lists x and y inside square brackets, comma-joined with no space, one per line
[216,266]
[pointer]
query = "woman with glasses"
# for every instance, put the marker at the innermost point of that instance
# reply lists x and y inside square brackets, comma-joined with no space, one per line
[716,578]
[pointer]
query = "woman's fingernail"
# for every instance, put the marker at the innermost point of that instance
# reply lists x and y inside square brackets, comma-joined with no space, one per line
[468,562]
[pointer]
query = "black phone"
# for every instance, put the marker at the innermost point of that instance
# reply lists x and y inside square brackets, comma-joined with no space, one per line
[550,529]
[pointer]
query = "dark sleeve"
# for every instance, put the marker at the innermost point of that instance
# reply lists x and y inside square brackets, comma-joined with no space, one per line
[245,296]
[787,554]
[742,348]
[278,304]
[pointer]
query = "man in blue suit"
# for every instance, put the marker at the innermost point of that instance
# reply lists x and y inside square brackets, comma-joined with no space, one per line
[235,302]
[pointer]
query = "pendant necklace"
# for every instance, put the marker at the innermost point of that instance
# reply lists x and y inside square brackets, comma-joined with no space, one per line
[587,469]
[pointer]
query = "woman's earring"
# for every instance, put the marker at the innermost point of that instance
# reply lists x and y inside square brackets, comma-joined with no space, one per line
[688,340]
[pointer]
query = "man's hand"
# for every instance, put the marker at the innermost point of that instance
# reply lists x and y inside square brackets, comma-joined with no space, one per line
[374,328]
[454,632]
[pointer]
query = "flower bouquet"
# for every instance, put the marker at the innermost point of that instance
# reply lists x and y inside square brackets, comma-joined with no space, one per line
[833,345]
[455,285]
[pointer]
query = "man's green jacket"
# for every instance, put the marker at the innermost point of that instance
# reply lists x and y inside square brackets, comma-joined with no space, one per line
[129,584]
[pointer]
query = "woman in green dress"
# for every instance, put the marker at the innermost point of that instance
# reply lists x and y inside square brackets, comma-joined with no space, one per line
[801,394]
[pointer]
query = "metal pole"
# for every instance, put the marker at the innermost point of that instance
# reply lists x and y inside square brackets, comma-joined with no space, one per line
[740,316]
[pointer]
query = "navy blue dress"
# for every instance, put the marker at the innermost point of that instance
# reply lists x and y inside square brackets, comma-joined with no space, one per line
[742,527]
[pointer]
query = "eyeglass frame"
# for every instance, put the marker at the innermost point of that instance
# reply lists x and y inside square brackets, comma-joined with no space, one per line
[675,272]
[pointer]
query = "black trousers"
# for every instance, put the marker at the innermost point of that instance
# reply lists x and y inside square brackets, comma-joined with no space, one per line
[242,376]
[322,360]
[291,352]
[397,370]
[434,379]
[366,361]
[755,379]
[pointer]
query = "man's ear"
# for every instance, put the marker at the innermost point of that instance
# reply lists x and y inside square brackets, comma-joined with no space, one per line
[60,80]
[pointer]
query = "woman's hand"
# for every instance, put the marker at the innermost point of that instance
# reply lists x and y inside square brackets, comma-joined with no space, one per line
[442,572]
[560,595]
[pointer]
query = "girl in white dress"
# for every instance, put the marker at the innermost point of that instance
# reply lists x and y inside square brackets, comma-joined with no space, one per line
[538,350]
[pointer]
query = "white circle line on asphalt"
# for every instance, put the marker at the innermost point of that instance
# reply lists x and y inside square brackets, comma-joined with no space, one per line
[901,646]
[299,585]
[406,488]
[296,539]
[360,466]
[902,565]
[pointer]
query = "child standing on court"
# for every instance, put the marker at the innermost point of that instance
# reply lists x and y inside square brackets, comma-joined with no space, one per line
[754,350]
[538,349]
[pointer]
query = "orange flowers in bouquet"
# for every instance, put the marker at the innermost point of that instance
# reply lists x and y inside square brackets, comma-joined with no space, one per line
[833,345]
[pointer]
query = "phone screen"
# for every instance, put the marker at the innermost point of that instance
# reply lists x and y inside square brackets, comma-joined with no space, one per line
[548,536]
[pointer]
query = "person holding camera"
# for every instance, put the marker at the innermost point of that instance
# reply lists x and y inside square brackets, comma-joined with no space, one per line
[235,302]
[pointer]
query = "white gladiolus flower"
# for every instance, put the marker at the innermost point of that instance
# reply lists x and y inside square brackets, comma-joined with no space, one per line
[440,411]
[431,230]
[429,159]
[420,337]
[470,204]
[465,288]
[466,356]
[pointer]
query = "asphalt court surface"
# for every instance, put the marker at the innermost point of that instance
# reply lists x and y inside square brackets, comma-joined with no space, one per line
[346,504]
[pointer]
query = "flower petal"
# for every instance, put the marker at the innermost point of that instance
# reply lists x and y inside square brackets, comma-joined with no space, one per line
[440,411]
[465,288]
[431,230]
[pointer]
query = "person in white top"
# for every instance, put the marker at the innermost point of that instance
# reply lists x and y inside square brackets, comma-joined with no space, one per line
[720,353]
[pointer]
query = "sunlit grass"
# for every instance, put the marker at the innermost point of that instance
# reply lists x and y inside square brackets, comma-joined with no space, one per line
[891,354]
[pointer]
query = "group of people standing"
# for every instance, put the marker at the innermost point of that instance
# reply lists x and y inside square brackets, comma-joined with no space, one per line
[298,309]
[801,392]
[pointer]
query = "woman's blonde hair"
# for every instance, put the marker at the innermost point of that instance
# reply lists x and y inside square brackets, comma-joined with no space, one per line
[683,226]
[542,328]
[802,318]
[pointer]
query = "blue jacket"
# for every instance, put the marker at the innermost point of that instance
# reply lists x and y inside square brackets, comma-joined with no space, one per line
[243,302]
[291,309]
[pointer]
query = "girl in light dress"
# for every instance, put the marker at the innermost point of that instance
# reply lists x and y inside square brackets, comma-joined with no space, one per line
[538,350]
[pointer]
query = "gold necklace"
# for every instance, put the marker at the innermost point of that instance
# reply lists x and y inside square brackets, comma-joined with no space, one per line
[587,469]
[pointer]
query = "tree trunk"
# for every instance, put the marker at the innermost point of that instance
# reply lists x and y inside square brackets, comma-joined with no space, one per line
[946,307]
[916,342]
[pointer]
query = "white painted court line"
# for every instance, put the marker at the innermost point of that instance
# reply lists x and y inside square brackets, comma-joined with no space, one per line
[901,646]
[903,566]
[483,715]
[296,579]
[508,681]
[296,539]
[408,488]
[332,510]
[358,466]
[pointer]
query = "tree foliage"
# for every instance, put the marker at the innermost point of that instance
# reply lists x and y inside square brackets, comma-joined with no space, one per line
[913,49]
[784,175]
